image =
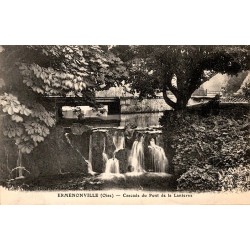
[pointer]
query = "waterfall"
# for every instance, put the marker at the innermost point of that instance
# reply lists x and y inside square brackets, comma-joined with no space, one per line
[104,155]
[90,149]
[112,166]
[157,140]
[119,141]
[104,147]
[136,157]
[159,159]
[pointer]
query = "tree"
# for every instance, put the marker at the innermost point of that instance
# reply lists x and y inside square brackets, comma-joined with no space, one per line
[244,89]
[180,69]
[235,82]
[29,73]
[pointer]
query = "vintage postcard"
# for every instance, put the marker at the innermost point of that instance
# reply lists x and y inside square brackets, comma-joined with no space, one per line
[124,124]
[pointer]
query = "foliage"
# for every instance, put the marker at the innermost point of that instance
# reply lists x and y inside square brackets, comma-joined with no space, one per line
[180,69]
[235,82]
[218,140]
[199,179]
[235,179]
[245,87]
[30,73]
[27,126]
[210,178]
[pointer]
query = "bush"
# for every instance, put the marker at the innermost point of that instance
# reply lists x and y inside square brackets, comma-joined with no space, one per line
[218,140]
[211,152]
[199,179]
[235,179]
[209,178]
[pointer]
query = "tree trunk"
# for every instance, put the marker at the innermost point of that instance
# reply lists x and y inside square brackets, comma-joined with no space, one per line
[169,101]
[168,85]
[182,101]
[181,98]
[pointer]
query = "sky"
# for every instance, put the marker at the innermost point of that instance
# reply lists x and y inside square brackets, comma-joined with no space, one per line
[216,82]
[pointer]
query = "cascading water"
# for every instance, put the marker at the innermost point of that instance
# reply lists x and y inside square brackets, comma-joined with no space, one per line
[112,166]
[159,159]
[156,160]
[104,155]
[157,140]
[119,141]
[90,148]
[136,157]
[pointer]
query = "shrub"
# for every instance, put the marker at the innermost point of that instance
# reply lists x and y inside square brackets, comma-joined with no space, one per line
[218,140]
[209,153]
[199,179]
[235,179]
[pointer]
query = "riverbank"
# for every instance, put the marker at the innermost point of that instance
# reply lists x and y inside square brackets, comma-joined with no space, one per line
[63,182]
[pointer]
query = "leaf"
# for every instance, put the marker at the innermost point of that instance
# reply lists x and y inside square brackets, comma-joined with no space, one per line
[5,109]
[10,111]
[27,112]
[30,130]
[17,118]
[18,141]
[3,102]
[16,109]
[28,150]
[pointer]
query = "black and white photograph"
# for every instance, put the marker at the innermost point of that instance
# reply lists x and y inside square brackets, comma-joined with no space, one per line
[125,121]
[124,124]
